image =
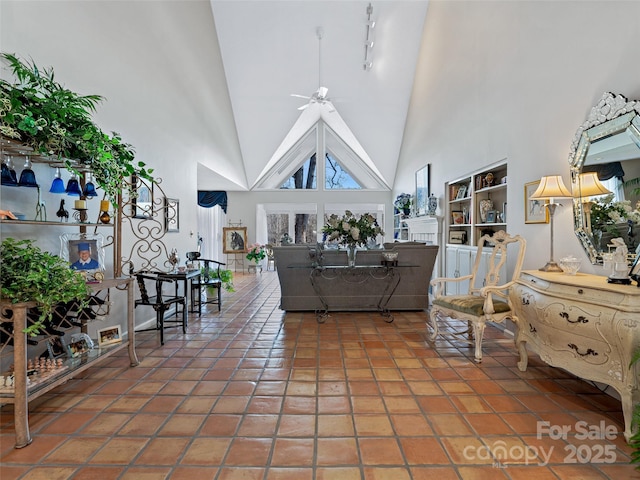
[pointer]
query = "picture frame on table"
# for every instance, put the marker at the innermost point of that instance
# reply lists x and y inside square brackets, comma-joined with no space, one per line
[142,198]
[234,239]
[84,252]
[109,335]
[535,210]
[57,348]
[171,214]
[423,189]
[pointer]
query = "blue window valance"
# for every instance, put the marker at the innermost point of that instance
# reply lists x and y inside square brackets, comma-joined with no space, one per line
[211,198]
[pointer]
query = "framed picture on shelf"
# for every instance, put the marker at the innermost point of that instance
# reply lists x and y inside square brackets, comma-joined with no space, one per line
[171,214]
[457,236]
[457,218]
[462,192]
[57,348]
[535,210]
[234,239]
[109,335]
[83,251]
[491,216]
[423,189]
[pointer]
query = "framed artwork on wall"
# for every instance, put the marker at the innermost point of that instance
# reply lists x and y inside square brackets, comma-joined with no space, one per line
[142,201]
[423,189]
[234,239]
[171,214]
[535,210]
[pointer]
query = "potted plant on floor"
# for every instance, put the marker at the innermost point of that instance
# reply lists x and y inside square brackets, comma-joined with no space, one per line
[256,254]
[226,277]
[31,275]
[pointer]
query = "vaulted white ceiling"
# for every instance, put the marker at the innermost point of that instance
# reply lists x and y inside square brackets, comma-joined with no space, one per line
[270,49]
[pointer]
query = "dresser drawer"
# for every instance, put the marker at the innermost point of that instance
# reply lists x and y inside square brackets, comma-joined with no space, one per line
[568,315]
[573,292]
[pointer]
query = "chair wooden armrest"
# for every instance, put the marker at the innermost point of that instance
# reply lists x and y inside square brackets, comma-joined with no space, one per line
[439,283]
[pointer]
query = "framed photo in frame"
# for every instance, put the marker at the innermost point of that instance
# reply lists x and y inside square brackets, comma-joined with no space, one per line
[457,218]
[457,236]
[491,216]
[462,192]
[535,210]
[57,348]
[171,215]
[109,335]
[142,201]
[83,251]
[234,239]
[423,189]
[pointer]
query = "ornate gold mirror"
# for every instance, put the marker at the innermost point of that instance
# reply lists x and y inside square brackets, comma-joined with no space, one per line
[605,204]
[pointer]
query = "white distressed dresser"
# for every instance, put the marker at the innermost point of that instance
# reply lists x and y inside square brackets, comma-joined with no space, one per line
[584,325]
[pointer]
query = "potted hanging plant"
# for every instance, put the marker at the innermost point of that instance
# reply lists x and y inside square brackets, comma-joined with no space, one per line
[31,275]
[57,124]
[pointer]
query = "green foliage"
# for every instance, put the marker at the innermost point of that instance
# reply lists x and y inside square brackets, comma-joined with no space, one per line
[226,276]
[256,253]
[30,275]
[57,122]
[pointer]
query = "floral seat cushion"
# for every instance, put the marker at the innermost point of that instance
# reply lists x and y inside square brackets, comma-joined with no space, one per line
[471,304]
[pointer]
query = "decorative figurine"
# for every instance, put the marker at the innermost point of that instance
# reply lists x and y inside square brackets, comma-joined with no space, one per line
[62,213]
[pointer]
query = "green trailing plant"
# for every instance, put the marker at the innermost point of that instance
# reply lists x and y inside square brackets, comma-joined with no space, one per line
[57,123]
[634,441]
[226,277]
[30,275]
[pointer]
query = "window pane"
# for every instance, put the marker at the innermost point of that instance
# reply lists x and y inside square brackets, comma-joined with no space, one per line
[304,178]
[337,177]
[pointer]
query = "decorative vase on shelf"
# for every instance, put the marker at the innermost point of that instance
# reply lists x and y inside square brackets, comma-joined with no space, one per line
[351,255]
[432,205]
[484,206]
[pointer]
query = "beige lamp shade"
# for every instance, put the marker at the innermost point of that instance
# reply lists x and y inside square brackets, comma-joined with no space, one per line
[590,186]
[551,187]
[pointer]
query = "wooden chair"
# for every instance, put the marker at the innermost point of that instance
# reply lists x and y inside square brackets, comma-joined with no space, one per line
[154,297]
[208,279]
[487,298]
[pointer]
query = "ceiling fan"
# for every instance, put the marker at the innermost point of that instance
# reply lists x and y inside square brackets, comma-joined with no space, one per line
[320,95]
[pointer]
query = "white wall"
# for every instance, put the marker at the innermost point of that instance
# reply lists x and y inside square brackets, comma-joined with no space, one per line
[516,79]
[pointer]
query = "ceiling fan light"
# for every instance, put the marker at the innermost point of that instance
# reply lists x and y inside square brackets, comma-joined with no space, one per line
[368,65]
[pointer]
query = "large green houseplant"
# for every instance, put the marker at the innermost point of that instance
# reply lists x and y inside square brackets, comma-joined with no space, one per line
[30,275]
[57,123]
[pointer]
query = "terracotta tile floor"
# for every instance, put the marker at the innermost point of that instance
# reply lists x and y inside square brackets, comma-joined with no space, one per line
[254,393]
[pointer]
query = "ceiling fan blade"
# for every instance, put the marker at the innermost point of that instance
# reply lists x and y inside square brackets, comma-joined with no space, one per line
[306,97]
[303,106]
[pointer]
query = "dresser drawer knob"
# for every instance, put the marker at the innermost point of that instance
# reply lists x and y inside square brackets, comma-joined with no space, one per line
[580,291]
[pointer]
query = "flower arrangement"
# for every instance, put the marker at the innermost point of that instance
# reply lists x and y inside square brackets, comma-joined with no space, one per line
[606,213]
[403,202]
[256,253]
[351,230]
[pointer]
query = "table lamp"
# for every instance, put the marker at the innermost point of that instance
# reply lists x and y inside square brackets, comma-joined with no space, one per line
[589,185]
[550,188]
